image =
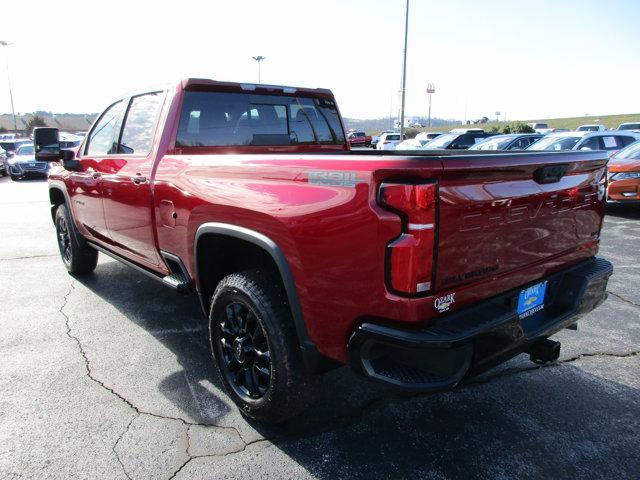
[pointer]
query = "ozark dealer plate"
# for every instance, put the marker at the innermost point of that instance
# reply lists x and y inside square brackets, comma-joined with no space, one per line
[531,299]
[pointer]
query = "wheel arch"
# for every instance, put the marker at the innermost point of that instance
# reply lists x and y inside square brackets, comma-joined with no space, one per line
[57,196]
[255,244]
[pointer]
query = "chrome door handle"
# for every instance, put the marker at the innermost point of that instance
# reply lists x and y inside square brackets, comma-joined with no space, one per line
[96,174]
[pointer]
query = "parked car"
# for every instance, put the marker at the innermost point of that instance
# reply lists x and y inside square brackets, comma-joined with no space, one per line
[24,165]
[11,145]
[430,269]
[511,141]
[540,127]
[624,176]
[411,144]
[611,142]
[457,139]
[389,141]
[428,136]
[69,140]
[376,138]
[629,126]
[595,127]
[359,139]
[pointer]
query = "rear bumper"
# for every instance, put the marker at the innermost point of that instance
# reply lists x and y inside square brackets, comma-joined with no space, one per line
[468,342]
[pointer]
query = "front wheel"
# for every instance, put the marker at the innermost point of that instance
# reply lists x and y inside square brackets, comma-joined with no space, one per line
[78,257]
[254,344]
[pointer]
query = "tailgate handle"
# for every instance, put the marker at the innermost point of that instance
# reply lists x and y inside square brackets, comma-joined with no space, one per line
[550,173]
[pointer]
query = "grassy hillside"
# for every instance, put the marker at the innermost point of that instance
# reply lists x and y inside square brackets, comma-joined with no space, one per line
[609,121]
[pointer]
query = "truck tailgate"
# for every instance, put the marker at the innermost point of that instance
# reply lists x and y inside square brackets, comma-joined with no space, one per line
[501,212]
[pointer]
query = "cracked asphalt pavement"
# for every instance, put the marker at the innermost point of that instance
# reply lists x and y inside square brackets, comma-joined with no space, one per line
[110,376]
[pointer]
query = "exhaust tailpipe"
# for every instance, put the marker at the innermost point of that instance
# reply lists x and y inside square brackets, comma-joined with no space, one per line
[544,351]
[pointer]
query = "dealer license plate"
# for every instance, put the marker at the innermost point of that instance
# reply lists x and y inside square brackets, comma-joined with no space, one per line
[531,299]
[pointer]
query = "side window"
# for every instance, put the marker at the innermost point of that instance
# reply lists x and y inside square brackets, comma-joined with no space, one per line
[463,141]
[137,134]
[624,141]
[519,144]
[591,144]
[103,138]
[611,143]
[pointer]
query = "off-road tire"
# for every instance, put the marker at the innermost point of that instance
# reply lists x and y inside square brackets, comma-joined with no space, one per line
[290,388]
[78,257]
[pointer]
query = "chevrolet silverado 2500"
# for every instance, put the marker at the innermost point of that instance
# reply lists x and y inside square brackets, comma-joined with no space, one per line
[419,269]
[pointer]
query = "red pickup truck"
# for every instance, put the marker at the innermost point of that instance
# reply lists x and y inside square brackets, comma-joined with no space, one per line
[419,270]
[359,139]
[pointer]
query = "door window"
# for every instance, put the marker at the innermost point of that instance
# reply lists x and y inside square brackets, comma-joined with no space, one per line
[591,144]
[137,134]
[103,139]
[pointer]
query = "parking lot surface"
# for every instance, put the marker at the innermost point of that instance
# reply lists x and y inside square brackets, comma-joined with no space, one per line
[110,376]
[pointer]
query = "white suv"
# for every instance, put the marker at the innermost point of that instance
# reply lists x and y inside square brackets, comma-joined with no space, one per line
[388,141]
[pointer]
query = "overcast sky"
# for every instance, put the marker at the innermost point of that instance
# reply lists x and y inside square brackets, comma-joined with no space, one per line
[526,59]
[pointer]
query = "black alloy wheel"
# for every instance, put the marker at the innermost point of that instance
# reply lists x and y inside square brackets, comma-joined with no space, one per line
[64,240]
[244,349]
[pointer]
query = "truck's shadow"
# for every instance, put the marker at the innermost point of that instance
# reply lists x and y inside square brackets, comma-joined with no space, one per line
[556,423]
[629,212]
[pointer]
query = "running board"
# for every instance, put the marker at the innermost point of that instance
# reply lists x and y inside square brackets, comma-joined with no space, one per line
[178,281]
[179,278]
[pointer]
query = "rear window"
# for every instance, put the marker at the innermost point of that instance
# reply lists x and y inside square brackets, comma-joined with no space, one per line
[555,143]
[632,151]
[392,137]
[629,126]
[443,141]
[217,119]
[499,143]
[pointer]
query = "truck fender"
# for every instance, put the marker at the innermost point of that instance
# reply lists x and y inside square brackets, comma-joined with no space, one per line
[314,362]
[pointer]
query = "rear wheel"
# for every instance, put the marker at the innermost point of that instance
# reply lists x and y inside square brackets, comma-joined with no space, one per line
[254,344]
[77,256]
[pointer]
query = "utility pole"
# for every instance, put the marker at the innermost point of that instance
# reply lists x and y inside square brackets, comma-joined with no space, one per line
[404,71]
[431,89]
[259,59]
[4,43]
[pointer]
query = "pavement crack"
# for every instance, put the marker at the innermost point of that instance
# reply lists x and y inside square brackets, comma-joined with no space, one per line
[180,468]
[625,300]
[356,416]
[136,409]
[115,445]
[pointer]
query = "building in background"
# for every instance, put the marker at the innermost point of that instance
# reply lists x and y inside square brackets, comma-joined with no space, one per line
[68,122]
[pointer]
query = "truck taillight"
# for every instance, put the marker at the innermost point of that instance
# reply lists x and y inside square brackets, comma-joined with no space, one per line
[410,256]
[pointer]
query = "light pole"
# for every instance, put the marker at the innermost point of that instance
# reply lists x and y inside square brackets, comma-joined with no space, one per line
[404,71]
[259,59]
[4,43]
[431,89]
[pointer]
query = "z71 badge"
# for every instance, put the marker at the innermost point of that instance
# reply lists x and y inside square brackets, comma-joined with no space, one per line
[442,304]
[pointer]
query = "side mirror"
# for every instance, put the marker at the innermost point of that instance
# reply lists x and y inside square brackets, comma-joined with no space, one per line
[47,144]
[69,161]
